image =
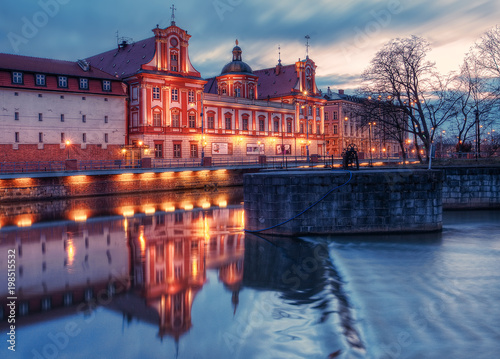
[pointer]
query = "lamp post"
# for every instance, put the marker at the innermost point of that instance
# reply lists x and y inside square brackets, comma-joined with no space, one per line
[202,129]
[370,140]
[67,145]
[442,133]
[306,115]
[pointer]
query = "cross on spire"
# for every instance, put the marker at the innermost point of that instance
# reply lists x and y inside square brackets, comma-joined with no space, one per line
[307,46]
[173,13]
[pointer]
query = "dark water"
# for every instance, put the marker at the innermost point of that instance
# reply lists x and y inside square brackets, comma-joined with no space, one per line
[174,276]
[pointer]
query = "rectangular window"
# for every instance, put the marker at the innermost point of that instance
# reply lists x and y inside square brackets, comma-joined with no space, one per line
[228,123]
[40,117]
[175,95]
[289,127]
[193,150]
[317,111]
[237,92]
[106,119]
[106,85]
[192,121]
[245,124]
[177,150]
[335,115]
[335,129]
[318,129]
[156,93]
[310,111]
[62,137]
[16,116]
[62,81]
[84,84]
[326,116]
[158,150]
[62,117]
[276,126]
[40,137]
[191,96]
[16,136]
[84,137]
[40,80]
[211,122]
[84,118]
[175,120]
[106,138]
[17,77]
[157,119]
[262,126]
[301,128]
[251,94]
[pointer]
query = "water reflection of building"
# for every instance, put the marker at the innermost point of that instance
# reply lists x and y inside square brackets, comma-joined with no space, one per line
[171,253]
[64,265]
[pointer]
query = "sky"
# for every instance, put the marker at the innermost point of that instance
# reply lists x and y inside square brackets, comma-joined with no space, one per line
[344,34]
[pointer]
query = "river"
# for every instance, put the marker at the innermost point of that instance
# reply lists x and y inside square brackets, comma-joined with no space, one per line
[173,275]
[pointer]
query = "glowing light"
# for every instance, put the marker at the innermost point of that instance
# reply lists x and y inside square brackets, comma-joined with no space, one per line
[139,143]
[67,142]
[205,205]
[169,208]
[149,210]
[223,204]
[125,224]
[188,206]
[206,230]
[25,221]
[128,213]
[80,216]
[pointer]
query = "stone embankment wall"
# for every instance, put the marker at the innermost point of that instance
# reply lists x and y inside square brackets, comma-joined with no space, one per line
[373,201]
[66,186]
[471,188]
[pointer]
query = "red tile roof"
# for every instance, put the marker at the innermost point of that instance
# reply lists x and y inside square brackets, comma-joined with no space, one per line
[276,85]
[127,60]
[48,66]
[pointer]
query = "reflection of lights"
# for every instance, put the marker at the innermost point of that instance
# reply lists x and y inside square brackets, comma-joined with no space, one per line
[149,210]
[194,269]
[76,179]
[125,224]
[188,206]
[142,243]
[186,173]
[206,230]
[242,219]
[25,221]
[70,251]
[223,204]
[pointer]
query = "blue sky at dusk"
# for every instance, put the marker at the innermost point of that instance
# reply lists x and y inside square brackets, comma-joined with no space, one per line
[345,35]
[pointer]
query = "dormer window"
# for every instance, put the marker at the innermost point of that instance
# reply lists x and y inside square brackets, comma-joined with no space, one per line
[17,77]
[62,81]
[40,80]
[106,85]
[84,84]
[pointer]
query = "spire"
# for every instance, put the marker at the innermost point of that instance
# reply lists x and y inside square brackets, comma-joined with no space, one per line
[279,54]
[307,46]
[173,14]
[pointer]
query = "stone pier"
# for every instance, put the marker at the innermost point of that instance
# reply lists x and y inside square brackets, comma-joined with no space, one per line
[373,201]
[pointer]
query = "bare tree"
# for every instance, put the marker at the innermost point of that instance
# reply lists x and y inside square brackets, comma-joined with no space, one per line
[399,72]
[476,102]
[488,50]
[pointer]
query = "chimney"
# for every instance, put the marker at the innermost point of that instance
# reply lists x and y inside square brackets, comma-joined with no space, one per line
[341,92]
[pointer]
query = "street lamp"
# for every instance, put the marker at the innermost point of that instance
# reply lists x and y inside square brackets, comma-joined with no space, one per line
[442,133]
[67,145]
[306,115]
